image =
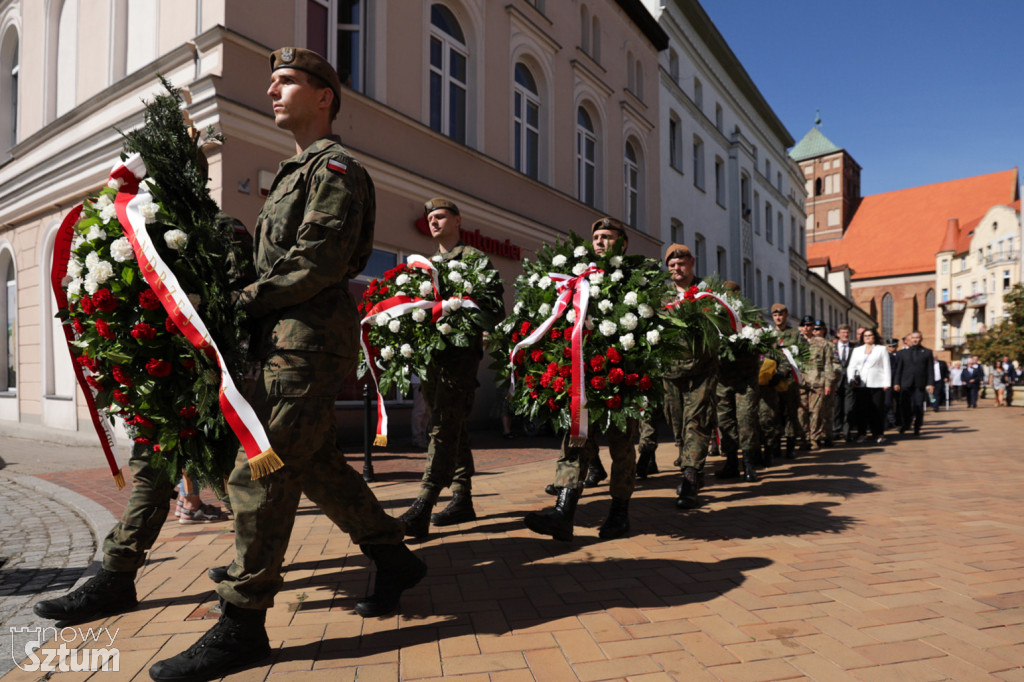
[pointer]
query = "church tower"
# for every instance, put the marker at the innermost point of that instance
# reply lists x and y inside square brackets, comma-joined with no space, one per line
[833,184]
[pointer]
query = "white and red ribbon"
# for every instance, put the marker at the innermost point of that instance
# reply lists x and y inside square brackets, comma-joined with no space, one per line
[237,411]
[792,363]
[574,290]
[397,306]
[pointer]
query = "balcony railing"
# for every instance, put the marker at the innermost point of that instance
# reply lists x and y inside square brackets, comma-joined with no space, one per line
[950,308]
[977,300]
[953,341]
[1000,258]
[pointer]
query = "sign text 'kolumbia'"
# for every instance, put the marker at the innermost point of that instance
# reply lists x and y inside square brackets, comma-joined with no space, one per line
[486,244]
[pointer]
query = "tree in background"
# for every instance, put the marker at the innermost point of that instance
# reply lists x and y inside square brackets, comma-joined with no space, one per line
[1007,337]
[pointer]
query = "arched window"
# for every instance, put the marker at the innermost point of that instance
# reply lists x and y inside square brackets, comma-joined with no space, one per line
[67,57]
[449,58]
[887,312]
[929,298]
[9,90]
[630,74]
[586,158]
[585,29]
[673,65]
[631,189]
[639,80]
[817,187]
[595,40]
[526,122]
[9,314]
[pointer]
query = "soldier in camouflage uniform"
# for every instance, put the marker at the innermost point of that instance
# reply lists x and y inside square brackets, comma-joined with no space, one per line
[314,234]
[574,461]
[789,399]
[770,380]
[692,380]
[449,388]
[816,385]
[736,405]
[828,406]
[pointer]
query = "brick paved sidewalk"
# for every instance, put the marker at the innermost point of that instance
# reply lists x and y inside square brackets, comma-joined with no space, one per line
[904,562]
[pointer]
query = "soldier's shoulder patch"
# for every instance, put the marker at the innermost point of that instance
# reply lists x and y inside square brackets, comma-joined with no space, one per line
[337,166]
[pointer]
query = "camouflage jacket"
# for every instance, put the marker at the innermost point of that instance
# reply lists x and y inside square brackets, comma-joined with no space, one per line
[314,234]
[820,369]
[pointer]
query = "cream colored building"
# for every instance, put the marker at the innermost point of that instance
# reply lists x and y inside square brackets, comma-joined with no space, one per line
[977,264]
[535,116]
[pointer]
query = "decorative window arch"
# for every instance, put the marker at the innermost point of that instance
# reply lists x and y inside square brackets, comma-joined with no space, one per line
[9,71]
[449,74]
[586,157]
[526,122]
[887,315]
[9,318]
[929,298]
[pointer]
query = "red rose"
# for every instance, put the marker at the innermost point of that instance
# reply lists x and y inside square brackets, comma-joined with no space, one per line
[144,332]
[537,355]
[103,329]
[531,381]
[105,301]
[95,383]
[616,375]
[77,326]
[121,377]
[597,383]
[158,368]
[552,405]
[148,300]
[87,306]
[645,383]
[615,402]
[614,356]
[632,379]
[171,327]
[187,432]
[189,412]
[558,385]
[597,363]
[87,362]
[143,441]
[121,397]
[524,328]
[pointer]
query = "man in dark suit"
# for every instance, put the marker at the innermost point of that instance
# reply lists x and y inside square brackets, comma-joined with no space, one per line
[843,394]
[892,403]
[913,379]
[973,377]
[940,371]
[1010,374]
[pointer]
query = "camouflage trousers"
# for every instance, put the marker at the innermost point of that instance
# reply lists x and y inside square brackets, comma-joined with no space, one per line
[449,390]
[673,415]
[812,411]
[574,462]
[125,547]
[789,412]
[294,399]
[828,409]
[697,417]
[737,408]
[769,417]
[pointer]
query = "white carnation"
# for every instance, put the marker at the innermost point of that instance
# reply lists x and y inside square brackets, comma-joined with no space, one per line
[544,310]
[394,326]
[645,311]
[444,328]
[147,184]
[617,275]
[534,278]
[436,259]
[74,267]
[653,337]
[92,260]
[121,250]
[419,314]
[629,321]
[630,298]
[91,285]
[570,317]
[108,213]
[75,287]
[454,304]
[115,183]
[596,277]
[454,277]
[615,261]
[103,271]
[383,319]
[702,285]
[401,279]
[544,282]
[607,327]
[627,341]
[387,352]
[605,305]
[426,289]
[77,242]
[406,350]
[559,260]
[175,239]
[468,288]
[578,269]
[579,251]
[517,308]
[734,338]
[457,265]
[95,233]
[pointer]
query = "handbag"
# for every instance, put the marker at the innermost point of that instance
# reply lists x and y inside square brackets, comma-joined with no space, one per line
[856,381]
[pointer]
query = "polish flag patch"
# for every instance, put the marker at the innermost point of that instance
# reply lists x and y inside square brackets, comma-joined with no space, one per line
[337,166]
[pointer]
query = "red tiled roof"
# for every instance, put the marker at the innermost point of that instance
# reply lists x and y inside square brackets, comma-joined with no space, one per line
[963,242]
[899,232]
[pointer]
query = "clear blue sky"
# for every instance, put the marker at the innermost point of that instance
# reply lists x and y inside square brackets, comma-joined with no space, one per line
[917,91]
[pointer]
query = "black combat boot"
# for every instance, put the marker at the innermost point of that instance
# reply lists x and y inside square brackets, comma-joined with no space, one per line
[218,574]
[790,448]
[105,594]
[617,523]
[687,490]
[731,469]
[644,462]
[417,518]
[552,489]
[596,474]
[558,523]
[749,472]
[459,510]
[238,639]
[398,569]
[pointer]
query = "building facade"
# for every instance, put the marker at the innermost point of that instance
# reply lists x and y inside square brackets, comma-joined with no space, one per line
[535,116]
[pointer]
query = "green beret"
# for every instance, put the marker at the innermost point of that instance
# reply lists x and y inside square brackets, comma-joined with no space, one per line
[308,61]
[438,203]
[608,224]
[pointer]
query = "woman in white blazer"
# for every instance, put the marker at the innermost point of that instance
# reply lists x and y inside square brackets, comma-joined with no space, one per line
[869,374]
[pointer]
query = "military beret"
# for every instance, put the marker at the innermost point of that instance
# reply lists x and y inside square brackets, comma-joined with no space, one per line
[892,342]
[308,61]
[806,319]
[677,251]
[438,203]
[608,224]
[730,285]
[779,308]
[819,323]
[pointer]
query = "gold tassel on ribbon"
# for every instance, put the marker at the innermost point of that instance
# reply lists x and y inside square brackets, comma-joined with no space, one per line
[577,441]
[266,462]
[119,480]
[380,440]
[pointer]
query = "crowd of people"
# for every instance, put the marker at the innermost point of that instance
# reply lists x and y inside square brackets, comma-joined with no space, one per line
[313,235]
